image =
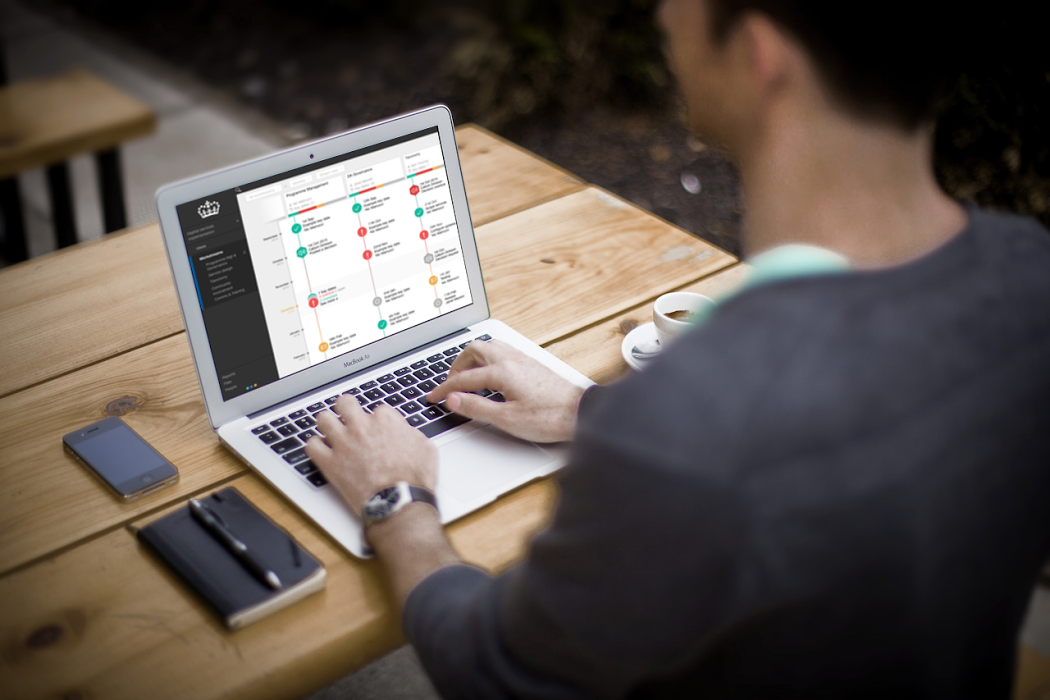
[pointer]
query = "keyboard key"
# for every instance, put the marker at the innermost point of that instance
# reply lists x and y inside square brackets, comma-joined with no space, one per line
[423,373]
[305,423]
[484,337]
[432,413]
[418,365]
[260,429]
[451,351]
[279,421]
[442,424]
[427,386]
[391,387]
[407,380]
[354,391]
[411,392]
[401,372]
[317,479]
[287,430]
[373,406]
[361,400]
[307,434]
[269,437]
[395,399]
[297,414]
[484,392]
[374,394]
[369,385]
[295,456]
[463,346]
[411,407]
[385,378]
[440,378]
[438,367]
[306,467]
[315,407]
[331,400]
[286,445]
[497,397]
[435,358]
[416,420]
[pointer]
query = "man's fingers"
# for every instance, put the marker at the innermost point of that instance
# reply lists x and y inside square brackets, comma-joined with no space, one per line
[487,377]
[476,407]
[320,453]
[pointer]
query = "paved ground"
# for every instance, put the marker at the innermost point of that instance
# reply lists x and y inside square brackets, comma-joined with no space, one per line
[198,131]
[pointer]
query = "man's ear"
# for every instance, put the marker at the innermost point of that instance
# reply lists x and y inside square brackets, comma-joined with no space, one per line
[771,54]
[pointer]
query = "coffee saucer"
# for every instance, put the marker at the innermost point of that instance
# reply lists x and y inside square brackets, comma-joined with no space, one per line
[641,336]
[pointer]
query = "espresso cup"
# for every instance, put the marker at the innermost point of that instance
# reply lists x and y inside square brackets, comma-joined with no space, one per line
[676,312]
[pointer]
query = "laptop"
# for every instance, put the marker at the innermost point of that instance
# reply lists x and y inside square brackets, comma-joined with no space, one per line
[343,266]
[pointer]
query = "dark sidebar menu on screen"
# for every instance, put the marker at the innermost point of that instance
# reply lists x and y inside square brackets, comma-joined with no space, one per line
[228,293]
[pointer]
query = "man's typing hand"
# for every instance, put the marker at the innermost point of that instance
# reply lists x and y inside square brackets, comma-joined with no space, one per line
[540,406]
[364,453]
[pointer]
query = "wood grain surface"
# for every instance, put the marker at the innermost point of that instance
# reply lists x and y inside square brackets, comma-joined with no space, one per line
[596,350]
[590,253]
[503,178]
[49,120]
[107,619]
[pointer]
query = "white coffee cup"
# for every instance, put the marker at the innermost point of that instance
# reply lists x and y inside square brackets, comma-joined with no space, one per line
[676,312]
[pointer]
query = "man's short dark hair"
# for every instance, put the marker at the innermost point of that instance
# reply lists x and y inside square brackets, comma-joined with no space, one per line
[890,61]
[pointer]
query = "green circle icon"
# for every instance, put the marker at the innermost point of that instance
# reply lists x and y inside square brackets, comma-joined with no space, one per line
[296,228]
[382,324]
[301,252]
[357,208]
[419,211]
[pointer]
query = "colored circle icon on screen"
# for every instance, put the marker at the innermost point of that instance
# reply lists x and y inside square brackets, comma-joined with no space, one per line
[314,301]
[296,228]
[367,255]
[414,189]
[357,208]
[419,211]
[362,231]
[434,279]
[382,325]
[301,252]
[323,347]
[424,234]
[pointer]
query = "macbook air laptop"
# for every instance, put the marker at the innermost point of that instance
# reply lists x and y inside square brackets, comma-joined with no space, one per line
[343,266]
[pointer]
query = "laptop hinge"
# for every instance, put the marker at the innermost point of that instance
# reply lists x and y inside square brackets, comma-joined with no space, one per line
[320,390]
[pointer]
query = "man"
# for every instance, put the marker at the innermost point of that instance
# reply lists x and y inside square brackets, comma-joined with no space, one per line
[836,487]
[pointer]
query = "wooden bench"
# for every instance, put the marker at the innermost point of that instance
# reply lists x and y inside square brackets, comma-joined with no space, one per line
[43,123]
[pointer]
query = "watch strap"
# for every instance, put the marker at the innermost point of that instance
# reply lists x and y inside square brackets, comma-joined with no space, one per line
[386,502]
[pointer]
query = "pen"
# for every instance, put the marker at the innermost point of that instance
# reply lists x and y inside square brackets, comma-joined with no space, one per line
[213,524]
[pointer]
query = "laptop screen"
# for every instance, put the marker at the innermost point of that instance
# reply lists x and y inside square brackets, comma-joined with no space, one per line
[303,267]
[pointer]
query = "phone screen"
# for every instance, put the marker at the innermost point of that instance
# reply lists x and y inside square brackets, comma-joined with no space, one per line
[120,456]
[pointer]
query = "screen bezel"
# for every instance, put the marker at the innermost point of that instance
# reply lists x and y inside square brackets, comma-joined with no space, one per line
[169,197]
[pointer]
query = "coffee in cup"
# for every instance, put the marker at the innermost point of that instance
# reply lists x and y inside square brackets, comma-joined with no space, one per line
[676,312]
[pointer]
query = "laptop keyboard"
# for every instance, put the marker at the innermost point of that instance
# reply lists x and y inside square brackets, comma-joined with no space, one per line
[405,389]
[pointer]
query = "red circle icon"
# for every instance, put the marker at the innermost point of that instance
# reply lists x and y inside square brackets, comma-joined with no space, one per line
[362,231]
[413,190]
[314,302]
[367,255]
[423,235]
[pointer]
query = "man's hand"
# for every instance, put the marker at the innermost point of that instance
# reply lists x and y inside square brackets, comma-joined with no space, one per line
[367,453]
[540,406]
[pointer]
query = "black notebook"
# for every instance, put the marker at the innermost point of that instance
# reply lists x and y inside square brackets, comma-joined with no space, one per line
[212,571]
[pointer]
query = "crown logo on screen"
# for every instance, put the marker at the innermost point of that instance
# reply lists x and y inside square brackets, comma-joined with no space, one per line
[208,209]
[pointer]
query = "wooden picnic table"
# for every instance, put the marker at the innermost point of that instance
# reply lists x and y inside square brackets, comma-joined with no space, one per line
[95,330]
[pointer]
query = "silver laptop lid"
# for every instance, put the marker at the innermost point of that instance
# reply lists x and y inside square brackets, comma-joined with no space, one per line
[323,260]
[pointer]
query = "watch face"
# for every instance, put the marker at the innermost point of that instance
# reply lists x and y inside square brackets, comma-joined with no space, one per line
[381,504]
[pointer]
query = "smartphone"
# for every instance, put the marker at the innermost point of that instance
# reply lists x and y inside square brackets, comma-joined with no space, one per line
[120,458]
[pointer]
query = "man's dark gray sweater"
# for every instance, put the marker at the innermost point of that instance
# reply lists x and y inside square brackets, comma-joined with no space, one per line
[838,487]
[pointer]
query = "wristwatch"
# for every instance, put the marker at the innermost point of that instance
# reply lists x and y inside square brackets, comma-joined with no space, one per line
[392,499]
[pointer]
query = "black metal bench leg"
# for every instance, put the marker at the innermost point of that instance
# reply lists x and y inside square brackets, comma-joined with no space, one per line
[62,204]
[15,245]
[111,189]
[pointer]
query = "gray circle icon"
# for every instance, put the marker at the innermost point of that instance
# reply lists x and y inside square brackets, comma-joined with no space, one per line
[377,301]
[428,258]
[437,303]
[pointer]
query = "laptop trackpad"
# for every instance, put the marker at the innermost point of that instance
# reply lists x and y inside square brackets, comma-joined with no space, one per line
[486,460]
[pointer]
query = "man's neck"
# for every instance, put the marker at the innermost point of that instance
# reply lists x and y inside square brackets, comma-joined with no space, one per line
[865,191]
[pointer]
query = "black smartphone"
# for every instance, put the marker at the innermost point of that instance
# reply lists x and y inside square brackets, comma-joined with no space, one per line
[120,458]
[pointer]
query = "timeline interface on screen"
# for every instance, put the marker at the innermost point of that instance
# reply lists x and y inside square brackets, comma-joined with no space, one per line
[296,270]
